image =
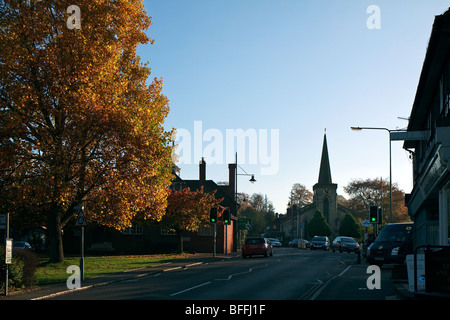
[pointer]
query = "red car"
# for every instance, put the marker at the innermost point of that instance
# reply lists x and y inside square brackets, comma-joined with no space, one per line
[254,246]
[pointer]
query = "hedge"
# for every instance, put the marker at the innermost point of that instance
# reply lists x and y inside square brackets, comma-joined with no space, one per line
[22,270]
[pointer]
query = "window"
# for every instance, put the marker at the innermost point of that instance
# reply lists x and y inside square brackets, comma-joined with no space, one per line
[326,209]
[134,230]
[167,232]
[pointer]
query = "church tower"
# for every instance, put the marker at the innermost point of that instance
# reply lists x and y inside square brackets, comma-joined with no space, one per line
[325,192]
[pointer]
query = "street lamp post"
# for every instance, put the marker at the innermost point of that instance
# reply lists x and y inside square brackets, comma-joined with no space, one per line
[390,163]
[252,180]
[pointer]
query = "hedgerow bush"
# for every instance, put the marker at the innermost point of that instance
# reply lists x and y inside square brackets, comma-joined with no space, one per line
[22,270]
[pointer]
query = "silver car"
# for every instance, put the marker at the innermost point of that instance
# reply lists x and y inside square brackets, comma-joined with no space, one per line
[274,242]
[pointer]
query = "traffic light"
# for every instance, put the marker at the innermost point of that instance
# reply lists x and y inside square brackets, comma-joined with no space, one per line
[373,214]
[213,215]
[226,216]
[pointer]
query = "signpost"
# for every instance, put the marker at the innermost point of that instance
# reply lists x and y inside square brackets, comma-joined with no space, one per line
[4,225]
[243,224]
[81,223]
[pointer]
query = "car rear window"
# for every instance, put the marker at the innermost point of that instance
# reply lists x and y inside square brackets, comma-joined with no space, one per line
[254,241]
[396,233]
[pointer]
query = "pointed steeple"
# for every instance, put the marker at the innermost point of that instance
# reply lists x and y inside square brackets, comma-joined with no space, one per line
[325,171]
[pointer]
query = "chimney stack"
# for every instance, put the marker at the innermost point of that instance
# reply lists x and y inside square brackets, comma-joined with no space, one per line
[202,171]
[232,178]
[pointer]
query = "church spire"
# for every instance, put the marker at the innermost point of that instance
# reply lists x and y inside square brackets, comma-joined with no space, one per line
[325,171]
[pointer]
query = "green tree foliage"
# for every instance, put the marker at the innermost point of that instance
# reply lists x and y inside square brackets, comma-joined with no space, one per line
[259,209]
[318,225]
[349,227]
[258,221]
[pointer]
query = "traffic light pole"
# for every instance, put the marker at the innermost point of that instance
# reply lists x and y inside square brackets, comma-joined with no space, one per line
[214,240]
[226,239]
[226,221]
[213,221]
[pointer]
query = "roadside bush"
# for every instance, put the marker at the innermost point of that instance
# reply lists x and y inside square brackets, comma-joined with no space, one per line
[22,271]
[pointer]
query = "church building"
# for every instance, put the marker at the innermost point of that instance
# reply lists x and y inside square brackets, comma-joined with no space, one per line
[325,200]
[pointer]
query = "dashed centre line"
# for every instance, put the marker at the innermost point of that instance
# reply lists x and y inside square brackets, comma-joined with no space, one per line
[226,279]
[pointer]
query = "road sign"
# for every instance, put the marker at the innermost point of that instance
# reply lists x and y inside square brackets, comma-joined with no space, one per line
[245,224]
[8,251]
[366,223]
[81,221]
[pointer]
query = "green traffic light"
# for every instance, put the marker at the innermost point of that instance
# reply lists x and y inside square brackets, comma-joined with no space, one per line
[373,219]
[226,221]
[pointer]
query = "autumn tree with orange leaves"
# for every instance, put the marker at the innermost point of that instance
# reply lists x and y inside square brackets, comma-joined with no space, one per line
[79,125]
[188,211]
[365,192]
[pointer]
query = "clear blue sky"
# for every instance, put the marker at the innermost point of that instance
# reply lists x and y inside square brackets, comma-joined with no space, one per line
[295,67]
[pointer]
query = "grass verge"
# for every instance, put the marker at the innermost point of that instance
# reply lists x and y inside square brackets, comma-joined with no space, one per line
[94,266]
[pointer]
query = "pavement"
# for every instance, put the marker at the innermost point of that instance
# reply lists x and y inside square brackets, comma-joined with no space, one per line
[48,291]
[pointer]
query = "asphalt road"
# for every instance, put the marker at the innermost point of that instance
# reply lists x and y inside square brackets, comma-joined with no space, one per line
[291,274]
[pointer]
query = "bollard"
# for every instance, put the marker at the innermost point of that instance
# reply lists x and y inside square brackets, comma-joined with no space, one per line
[358,253]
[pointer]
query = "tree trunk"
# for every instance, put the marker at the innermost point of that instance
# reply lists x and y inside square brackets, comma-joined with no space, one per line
[180,240]
[55,243]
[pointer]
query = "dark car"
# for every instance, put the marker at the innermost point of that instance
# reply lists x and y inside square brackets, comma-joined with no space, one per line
[257,246]
[294,243]
[392,245]
[22,245]
[344,244]
[320,242]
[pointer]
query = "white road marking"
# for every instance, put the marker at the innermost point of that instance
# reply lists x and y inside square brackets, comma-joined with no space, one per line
[191,288]
[236,274]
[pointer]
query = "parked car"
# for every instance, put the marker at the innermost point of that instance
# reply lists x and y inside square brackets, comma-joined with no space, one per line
[392,244]
[347,244]
[294,243]
[320,242]
[257,246]
[274,242]
[22,245]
